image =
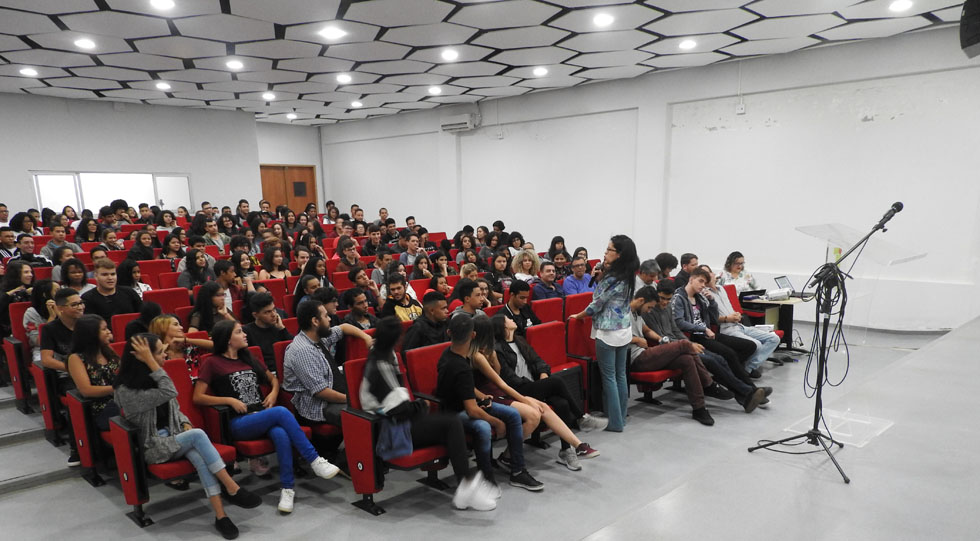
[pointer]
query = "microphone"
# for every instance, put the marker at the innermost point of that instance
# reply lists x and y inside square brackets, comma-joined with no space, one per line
[896,207]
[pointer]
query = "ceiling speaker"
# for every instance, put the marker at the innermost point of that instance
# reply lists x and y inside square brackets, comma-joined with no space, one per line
[970,28]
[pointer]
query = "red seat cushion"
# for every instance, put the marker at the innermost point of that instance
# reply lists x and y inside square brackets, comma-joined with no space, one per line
[106,437]
[560,367]
[325,430]
[264,446]
[657,376]
[420,456]
[182,467]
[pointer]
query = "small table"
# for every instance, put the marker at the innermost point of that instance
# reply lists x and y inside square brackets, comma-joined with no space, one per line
[779,314]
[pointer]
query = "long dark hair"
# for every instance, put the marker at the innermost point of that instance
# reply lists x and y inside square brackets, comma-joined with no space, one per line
[124,273]
[40,296]
[198,274]
[267,257]
[484,334]
[59,253]
[133,373]
[138,252]
[552,251]
[81,232]
[626,265]
[730,260]
[67,266]
[166,243]
[500,336]
[11,280]
[204,307]
[86,343]
[221,336]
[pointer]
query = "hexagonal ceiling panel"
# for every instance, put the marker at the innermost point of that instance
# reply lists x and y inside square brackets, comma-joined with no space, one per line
[394,50]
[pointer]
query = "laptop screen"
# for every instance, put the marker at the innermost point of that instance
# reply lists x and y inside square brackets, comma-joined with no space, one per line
[783,282]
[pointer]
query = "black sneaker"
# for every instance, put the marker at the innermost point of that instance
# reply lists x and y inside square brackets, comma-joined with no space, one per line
[717,391]
[243,498]
[767,390]
[525,481]
[504,461]
[702,416]
[73,460]
[752,401]
[226,528]
[755,374]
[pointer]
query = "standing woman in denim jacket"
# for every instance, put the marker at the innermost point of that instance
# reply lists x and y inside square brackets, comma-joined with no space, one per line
[611,325]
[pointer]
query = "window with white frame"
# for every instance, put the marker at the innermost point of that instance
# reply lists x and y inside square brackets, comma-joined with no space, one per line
[90,190]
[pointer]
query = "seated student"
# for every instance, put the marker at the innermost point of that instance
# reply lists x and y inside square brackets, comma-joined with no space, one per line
[305,287]
[209,308]
[499,274]
[562,270]
[515,244]
[129,274]
[359,316]
[463,243]
[177,346]
[315,266]
[383,381]
[274,265]
[439,284]
[730,324]
[8,242]
[648,275]
[432,327]
[231,377]
[142,250]
[374,243]
[421,268]
[61,254]
[172,250]
[55,340]
[301,254]
[25,247]
[469,271]
[488,380]
[440,264]
[235,288]
[489,296]
[267,328]
[734,273]
[480,415]
[313,374]
[412,249]
[518,307]
[196,273]
[358,276]
[58,235]
[579,281]
[381,264]
[469,292]
[424,241]
[148,399]
[106,299]
[74,275]
[195,242]
[397,267]
[689,262]
[349,258]
[525,265]
[680,355]
[545,286]
[399,303]
[42,311]
[692,314]
[667,263]
[93,366]
[110,241]
[148,312]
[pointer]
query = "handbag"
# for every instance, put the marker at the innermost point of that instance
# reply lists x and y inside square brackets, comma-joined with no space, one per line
[394,439]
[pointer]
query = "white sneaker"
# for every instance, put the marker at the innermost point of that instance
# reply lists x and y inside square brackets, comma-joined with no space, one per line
[323,468]
[569,459]
[471,494]
[589,423]
[286,500]
[491,489]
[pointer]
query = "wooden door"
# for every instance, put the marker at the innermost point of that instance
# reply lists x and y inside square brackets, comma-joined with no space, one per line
[290,185]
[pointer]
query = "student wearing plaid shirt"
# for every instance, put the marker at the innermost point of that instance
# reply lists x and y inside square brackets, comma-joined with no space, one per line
[311,372]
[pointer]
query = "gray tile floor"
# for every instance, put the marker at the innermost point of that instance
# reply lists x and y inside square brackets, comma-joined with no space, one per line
[666,477]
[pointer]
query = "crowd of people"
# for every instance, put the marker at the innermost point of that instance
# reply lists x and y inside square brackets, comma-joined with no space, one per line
[490,379]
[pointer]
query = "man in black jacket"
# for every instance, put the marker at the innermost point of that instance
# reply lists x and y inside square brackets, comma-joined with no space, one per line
[431,327]
[518,307]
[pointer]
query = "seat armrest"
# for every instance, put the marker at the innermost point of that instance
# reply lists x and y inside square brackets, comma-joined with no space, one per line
[217,423]
[431,398]
[367,415]
[578,357]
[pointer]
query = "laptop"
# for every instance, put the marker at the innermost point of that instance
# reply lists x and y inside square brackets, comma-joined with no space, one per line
[782,282]
[751,295]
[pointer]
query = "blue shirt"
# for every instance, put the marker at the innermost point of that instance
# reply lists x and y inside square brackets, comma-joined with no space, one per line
[572,285]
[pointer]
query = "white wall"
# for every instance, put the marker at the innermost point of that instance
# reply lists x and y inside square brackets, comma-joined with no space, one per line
[217,149]
[803,127]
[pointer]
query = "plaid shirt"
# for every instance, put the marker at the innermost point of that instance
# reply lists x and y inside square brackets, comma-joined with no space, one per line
[307,372]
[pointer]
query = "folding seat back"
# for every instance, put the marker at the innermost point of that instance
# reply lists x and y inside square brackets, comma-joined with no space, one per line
[152,269]
[117,256]
[355,347]
[331,265]
[421,366]
[548,340]
[40,241]
[127,229]
[576,303]
[548,309]
[288,302]
[183,314]
[42,273]
[292,325]
[118,325]
[419,286]
[341,281]
[452,279]
[277,288]
[493,310]
[18,352]
[291,282]
[169,299]
[212,250]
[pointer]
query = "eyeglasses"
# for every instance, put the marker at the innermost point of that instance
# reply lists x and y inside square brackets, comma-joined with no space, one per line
[76,304]
[613,250]
[578,265]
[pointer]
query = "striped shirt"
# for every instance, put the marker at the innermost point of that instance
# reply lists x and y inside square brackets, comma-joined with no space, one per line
[307,371]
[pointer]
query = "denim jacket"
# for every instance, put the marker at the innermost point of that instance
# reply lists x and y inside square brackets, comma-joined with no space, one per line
[610,309]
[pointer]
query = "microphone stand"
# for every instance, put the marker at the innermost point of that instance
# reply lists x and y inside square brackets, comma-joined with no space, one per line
[827,278]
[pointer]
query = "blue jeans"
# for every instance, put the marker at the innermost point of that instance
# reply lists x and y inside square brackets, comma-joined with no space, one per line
[480,430]
[198,449]
[765,344]
[615,391]
[279,425]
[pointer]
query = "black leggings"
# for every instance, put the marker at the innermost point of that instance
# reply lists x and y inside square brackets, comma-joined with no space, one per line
[443,429]
[556,394]
[724,345]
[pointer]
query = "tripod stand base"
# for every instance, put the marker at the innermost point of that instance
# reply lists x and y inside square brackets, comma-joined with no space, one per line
[813,437]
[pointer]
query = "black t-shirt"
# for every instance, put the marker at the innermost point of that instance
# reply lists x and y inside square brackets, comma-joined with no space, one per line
[124,301]
[56,337]
[524,318]
[265,338]
[454,384]
[232,378]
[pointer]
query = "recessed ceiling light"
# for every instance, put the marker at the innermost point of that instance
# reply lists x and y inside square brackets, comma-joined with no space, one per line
[163,86]
[356,104]
[450,55]
[688,44]
[603,20]
[344,78]
[30,72]
[291,116]
[332,32]
[268,96]
[162,4]
[235,64]
[84,43]
[435,90]
[540,72]
[900,5]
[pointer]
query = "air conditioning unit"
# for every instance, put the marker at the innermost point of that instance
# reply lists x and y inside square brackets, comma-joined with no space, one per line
[456,123]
